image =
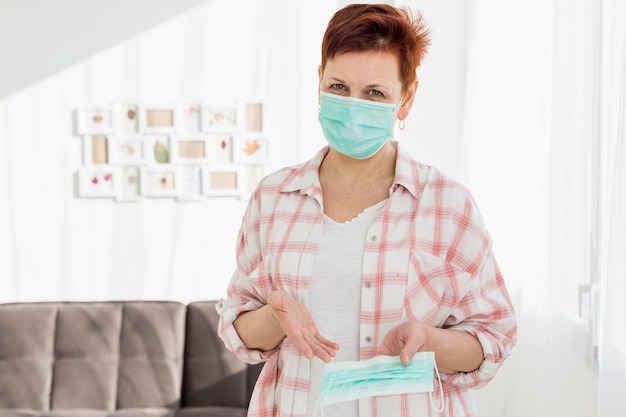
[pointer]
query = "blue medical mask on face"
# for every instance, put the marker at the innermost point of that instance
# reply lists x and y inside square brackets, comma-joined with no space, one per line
[354,127]
[381,375]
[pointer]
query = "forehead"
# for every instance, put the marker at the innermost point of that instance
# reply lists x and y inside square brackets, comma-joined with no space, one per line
[364,67]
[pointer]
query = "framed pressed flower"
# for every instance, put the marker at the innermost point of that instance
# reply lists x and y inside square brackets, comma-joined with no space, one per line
[159,181]
[97,181]
[126,150]
[93,121]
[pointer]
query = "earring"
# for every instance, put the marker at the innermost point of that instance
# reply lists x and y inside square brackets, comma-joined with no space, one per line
[401,124]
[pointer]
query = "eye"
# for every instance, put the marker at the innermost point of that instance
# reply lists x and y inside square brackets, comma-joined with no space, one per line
[338,86]
[376,93]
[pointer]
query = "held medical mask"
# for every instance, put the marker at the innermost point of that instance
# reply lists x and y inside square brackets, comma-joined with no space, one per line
[381,375]
[354,127]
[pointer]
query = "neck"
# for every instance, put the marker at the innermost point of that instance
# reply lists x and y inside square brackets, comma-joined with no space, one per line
[344,168]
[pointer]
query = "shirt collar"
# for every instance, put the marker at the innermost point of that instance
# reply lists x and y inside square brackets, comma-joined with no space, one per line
[305,177]
[408,172]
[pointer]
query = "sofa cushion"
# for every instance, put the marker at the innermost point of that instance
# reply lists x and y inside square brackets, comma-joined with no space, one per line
[213,376]
[87,345]
[26,355]
[151,351]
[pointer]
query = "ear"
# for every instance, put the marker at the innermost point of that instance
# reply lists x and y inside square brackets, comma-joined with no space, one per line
[407,103]
[320,74]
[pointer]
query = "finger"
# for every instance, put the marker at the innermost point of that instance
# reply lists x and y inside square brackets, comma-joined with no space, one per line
[306,350]
[329,351]
[384,350]
[303,345]
[320,350]
[322,353]
[329,344]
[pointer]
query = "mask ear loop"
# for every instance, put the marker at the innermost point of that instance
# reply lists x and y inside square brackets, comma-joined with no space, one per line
[442,403]
[318,406]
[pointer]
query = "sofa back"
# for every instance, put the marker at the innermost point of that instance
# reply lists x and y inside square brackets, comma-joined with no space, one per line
[91,355]
[212,375]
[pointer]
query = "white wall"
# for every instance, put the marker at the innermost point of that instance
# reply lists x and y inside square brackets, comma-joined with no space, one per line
[433,130]
[39,38]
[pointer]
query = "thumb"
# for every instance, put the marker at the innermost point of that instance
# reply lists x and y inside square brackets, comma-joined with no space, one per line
[277,302]
[406,354]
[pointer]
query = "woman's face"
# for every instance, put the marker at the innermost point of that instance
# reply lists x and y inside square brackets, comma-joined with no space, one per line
[369,75]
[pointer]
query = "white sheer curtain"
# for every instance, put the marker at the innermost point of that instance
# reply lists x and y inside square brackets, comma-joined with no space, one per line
[54,246]
[612,401]
[531,122]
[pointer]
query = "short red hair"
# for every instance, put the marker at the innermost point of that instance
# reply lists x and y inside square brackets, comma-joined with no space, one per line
[378,27]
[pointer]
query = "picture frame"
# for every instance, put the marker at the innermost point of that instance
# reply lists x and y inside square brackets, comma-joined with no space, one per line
[220,118]
[126,119]
[95,149]
[93,121]
[126,150]
[189,118]
[97,181]
[128,186]
[157,149]
[190,183]
[159,181]
[158,118]
[250,149]
[253,120]
[189,149]
[222,181]
[219,149]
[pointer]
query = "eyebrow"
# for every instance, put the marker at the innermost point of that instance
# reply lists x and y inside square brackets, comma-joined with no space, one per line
[335,79]
[338,80]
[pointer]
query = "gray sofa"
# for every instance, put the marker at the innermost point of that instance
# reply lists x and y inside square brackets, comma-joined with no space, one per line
[118,359]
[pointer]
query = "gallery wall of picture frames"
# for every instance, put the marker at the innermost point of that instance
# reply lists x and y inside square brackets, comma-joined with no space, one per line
[185,151]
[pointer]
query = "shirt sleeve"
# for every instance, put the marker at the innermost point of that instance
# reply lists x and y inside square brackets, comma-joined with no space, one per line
[485,312]
[249,286]
[485,309]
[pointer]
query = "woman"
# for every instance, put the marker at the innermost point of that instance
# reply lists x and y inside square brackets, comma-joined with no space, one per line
[363,251]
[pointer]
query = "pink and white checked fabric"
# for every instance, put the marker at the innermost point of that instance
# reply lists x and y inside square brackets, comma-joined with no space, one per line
[427,257]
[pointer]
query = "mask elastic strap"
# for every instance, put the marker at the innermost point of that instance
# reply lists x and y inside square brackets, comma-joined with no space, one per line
[318,406]
[442,404]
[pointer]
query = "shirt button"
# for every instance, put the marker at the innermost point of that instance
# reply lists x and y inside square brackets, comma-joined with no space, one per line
[368,339]
[367,285]
[374,238]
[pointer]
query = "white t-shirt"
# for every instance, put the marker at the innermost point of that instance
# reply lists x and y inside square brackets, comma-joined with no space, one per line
[335,298]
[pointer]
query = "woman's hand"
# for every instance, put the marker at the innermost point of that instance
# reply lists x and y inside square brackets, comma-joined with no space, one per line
[297,324]
[404,340]
[456,351]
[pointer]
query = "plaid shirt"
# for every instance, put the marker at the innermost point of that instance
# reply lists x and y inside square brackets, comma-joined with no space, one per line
[427,257]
